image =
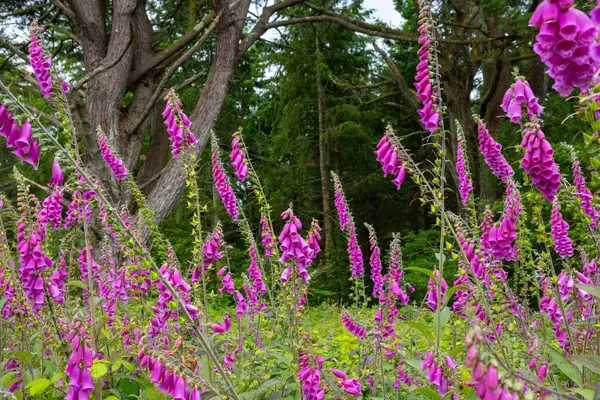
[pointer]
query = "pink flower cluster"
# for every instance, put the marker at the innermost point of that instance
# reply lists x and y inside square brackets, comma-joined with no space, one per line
[492,153]
[435,373]
[429,114]
[266,236]
[391,162]
[584,193]
[221,183]
[162,310]
[33,261]
[355,252]
[238,159]
[550,306]
[375,262]
[178,125]
[432,293]
[518,96]
[566,44]
[294,247]
[313,237]
[56,287]
[352,326]
[502,237]
[560,233]
[258,286]
[227,284]
[538,161]
[340,205]
[19,138]
[485,377]
[211,251]
[224,327]
[168,380]
[108,155]
[41,66]
[310,377]
[51,211]
[81,384]
[462,170]
[13,365]
[350,386]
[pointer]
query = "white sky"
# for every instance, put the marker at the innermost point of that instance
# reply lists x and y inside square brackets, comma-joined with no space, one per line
[385,11]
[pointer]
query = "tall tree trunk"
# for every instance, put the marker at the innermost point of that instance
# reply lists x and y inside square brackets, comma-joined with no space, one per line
[323,153]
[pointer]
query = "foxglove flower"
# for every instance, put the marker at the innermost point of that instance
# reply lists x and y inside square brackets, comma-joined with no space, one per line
[294,247]
[435,373]
[81,384]
[355,253]
[310,377]
[178,125]
[432,293]
[58,175]
[389,158]
[108,155]
[340,204]
[238,159]
[353,327]
[221,182]
[502,236]
[224,327]
[462,169]
[258,285]
[425,78]
[492,153]
[41,66]
[51,211]
[352,387]
[583,193]
[266,236]
[566,44]
[375,262]
[314,235]
[518,96]
[560,233]
[211,251]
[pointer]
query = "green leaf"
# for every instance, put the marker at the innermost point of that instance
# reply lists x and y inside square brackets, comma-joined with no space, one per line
[255,394]
[111,397]
[422,271]
[566,366]
[590,362]
[98,370]
[450,292]
[430,393]
[24,356]
[444,317]
[56,377]
[7,378]
[591,289]
[421,328]
[587,394]
[38,386]
[78,284]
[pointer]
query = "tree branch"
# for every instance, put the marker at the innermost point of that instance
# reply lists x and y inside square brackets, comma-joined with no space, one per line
[409,96]
[163,83]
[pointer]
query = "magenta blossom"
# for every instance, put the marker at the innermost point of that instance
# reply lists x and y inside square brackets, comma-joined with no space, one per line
[462,170]
[432,293]
[58,175]
[108,155]
[221,182]
[294,247]
[520,96]
[266,236]
[583,193]
[238,159]
[41,66]
[560,233]
[352,387]
[391,162]
[492,153]
[538,161]
[178,125]
[425,78]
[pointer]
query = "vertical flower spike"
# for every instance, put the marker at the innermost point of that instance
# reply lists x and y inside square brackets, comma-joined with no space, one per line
[294,247]
[41,66]
[566,44]
[108,155]
[81,384]
[266,236]
[560,232]
[502,236]
[221,182]
[520,95]
[583,193]
[238,158]
[211,250]
[492,152]
[462,167]
[314,235]
[375,262]
[347,223]
[425,78]
[178,125]
[538,161]
[432,293]
[389,158]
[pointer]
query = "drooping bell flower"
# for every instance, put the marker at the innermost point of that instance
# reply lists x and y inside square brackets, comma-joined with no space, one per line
[583,193]
[81,384]
[492,152]
[266,236]
[313,237]
[58,175]
[538,161]
[41,66]
[211,252]
[520,95]
[560,233]
[566,44]
[502,236]
[238,158]
[352,387]
[375,262]
[221,182]
[432,293]
[352,326]
[178,125]
[462,168]
[293,246]
[340,203]
[425,77]
[355,253]
[389,158]
[109,156]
